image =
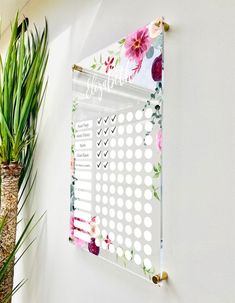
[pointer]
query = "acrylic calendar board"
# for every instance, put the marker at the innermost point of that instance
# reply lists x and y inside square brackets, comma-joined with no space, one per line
[116,152]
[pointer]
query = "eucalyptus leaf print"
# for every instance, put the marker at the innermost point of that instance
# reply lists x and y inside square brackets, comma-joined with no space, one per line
[150,52]
[155,102]
[116,54]
[97,63]
[149,272]
[75,105]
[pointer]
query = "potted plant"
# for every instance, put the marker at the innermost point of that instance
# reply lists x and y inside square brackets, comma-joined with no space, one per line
[22,89]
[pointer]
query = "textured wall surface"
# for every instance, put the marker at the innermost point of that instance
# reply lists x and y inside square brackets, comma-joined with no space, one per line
[199,208]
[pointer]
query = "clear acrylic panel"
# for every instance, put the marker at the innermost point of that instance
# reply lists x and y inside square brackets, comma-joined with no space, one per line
[116,168]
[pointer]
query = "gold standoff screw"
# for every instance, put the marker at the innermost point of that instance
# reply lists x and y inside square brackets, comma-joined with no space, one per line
[77,68]
[160,277]
[166,26]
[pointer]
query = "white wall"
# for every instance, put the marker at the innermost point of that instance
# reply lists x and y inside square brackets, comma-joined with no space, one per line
[199,211]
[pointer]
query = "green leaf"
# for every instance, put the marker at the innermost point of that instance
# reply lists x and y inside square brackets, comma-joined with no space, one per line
[159,167]
[117,61]
[150,52]
[22,91]
[20,80]
[156,195]
[122,41]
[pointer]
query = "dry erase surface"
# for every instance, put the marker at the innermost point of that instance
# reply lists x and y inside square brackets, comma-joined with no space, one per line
[116,159]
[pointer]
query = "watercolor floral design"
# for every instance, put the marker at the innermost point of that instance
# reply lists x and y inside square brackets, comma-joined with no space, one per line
[144,44]
[109,63]
[155,28]
[75,105]
[135,47]
[149,272]
[72,238]
[157,69]
[137,44]
[159,140]
[94,234]
[140,45]
[157,172]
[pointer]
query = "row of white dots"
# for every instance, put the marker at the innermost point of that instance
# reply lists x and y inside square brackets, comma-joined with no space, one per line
[128,166]
[128,243]
[128,203]
[120,154]
[138,193]
[129,141]
[137,233]
[121,118]
[138,179]
[138,128]
[139,114]
[137,219]
[120,215]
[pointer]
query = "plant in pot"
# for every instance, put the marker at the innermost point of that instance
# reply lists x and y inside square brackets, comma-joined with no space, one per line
[22,90]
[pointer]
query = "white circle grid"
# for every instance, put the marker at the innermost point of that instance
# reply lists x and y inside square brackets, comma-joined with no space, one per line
[123,189]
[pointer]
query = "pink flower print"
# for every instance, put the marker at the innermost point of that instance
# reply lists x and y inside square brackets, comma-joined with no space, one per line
[157,69]
[159,140]
[109,63]
[155,28]
[78,242]
[108,241]
[72,225]
[75,240]
[93,219]
[72,164]
[136,69]
[93,226]
[137,44]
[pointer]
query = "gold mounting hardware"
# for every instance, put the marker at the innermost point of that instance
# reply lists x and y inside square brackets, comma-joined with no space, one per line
[166,26]
[160,277]
[77,68]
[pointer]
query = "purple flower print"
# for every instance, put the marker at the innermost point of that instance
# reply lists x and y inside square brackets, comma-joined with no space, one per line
[93,248]
[157,69]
